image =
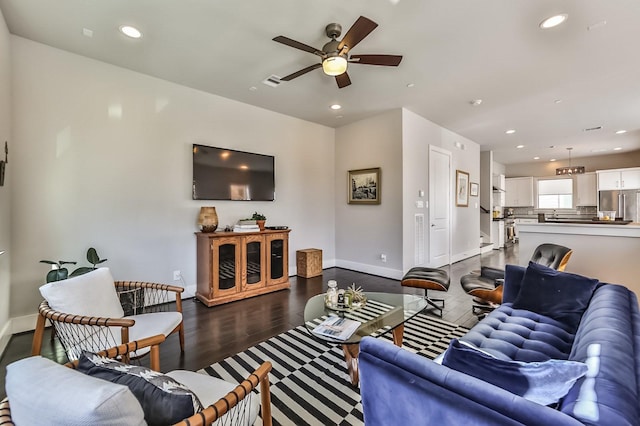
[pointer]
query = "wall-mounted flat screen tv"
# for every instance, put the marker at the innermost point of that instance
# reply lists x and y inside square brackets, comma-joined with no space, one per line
[227,174]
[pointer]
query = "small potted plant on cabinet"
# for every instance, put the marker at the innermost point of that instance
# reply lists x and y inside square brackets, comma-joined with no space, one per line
[260,219]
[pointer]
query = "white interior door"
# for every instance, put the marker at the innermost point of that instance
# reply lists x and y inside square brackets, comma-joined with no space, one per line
[439,207]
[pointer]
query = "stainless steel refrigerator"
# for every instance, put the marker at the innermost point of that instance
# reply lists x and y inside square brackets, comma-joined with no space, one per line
[626,203]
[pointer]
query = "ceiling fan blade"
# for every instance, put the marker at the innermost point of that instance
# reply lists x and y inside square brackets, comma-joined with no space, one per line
[343,80]
[386,60]
[296,44]
[301,72]
[358,31]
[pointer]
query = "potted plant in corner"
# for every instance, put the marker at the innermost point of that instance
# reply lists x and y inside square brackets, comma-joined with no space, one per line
[260,219]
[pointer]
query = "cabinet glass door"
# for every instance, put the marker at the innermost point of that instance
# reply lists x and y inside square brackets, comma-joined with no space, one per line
[277,259]
[227,268]
[254,262]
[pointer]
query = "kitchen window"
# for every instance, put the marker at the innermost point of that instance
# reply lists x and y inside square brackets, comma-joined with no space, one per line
[555,193]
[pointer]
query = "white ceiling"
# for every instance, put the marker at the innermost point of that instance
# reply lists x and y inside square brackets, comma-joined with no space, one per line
[454,51]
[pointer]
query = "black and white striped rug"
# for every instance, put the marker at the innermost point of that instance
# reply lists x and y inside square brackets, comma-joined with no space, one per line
[309,380]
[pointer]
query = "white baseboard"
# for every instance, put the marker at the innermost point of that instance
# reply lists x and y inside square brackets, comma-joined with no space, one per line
[370,269]
[465,255]
[189,291]
[5,336]
[23,323]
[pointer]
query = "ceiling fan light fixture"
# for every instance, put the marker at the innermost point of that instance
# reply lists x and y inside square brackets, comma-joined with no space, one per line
[334,65]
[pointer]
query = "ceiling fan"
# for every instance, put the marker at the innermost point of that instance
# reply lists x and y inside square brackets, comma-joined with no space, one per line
[335,54]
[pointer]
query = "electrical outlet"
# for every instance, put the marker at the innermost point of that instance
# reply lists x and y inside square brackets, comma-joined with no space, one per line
[383,257]
[177,275]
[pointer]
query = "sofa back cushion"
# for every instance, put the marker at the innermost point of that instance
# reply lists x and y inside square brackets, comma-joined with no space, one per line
[90,294]
[42,392]
[513,275]
[558,295]
[608,341]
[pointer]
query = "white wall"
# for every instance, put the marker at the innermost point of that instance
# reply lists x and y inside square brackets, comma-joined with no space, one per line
[364,232]
[5,199]
[103,158]
[417,134]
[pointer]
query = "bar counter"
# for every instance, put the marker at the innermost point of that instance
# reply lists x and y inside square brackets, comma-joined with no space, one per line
[610,253]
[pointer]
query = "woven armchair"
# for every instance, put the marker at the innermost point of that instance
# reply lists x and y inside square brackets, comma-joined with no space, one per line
[234,404]
[143,310]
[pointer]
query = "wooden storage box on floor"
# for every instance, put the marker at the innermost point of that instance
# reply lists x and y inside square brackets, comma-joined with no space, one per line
[309,262]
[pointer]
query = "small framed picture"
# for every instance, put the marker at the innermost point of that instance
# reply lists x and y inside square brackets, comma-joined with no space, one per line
[364,186]
[462,188]
[473,189]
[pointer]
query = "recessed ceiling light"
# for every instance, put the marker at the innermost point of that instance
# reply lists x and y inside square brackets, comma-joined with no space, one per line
[253,88]
[476,102]
[520,146]
[410,85]
[552,160]
[557,101]
[619,132]
[536,158]
[617,148]
[87,32]
[130,31]
[335,106]
[553,21]
[510,131]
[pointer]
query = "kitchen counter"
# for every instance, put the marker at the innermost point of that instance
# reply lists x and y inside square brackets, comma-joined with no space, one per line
[604,251]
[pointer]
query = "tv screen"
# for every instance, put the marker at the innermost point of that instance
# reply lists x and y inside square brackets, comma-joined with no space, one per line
[226,174]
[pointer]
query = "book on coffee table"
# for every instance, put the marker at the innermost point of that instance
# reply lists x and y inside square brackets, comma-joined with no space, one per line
[337,327]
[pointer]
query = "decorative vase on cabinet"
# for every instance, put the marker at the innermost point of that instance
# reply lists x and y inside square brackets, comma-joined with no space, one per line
[208,219]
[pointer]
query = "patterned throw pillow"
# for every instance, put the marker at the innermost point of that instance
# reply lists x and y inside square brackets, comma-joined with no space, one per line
[163,399]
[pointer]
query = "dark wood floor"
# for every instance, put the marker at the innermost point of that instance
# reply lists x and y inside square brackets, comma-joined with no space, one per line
[212,334]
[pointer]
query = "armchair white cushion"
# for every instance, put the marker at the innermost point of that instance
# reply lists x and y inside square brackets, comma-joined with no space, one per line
[93,295]
[90,294]
[210,389]
[44,393]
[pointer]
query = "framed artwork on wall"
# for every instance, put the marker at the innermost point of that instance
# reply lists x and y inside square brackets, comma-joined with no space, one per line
[462,188]
[364,186]
[473,189]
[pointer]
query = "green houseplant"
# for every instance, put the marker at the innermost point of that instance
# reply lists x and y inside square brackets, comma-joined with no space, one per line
[62,273]
[260,219]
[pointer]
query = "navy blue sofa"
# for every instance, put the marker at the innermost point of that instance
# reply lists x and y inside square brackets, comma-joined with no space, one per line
[402,388]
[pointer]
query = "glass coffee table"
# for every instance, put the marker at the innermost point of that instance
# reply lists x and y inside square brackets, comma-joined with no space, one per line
[381,314]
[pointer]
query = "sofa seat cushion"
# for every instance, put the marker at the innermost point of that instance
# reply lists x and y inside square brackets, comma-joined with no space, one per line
[43,393]
[608,341]
[520,335]
[541,382]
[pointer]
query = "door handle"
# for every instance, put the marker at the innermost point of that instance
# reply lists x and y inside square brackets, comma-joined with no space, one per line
[433,224]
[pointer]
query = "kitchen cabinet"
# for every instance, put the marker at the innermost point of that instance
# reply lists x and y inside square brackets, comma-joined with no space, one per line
[519,192]
[619,179]
[586,189]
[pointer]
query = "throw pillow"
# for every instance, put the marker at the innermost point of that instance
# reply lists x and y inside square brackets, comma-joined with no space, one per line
[42,392]
[542,382]
[163,399]
[558,295]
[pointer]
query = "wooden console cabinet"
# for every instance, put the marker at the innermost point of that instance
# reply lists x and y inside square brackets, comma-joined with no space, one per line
[234,266]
